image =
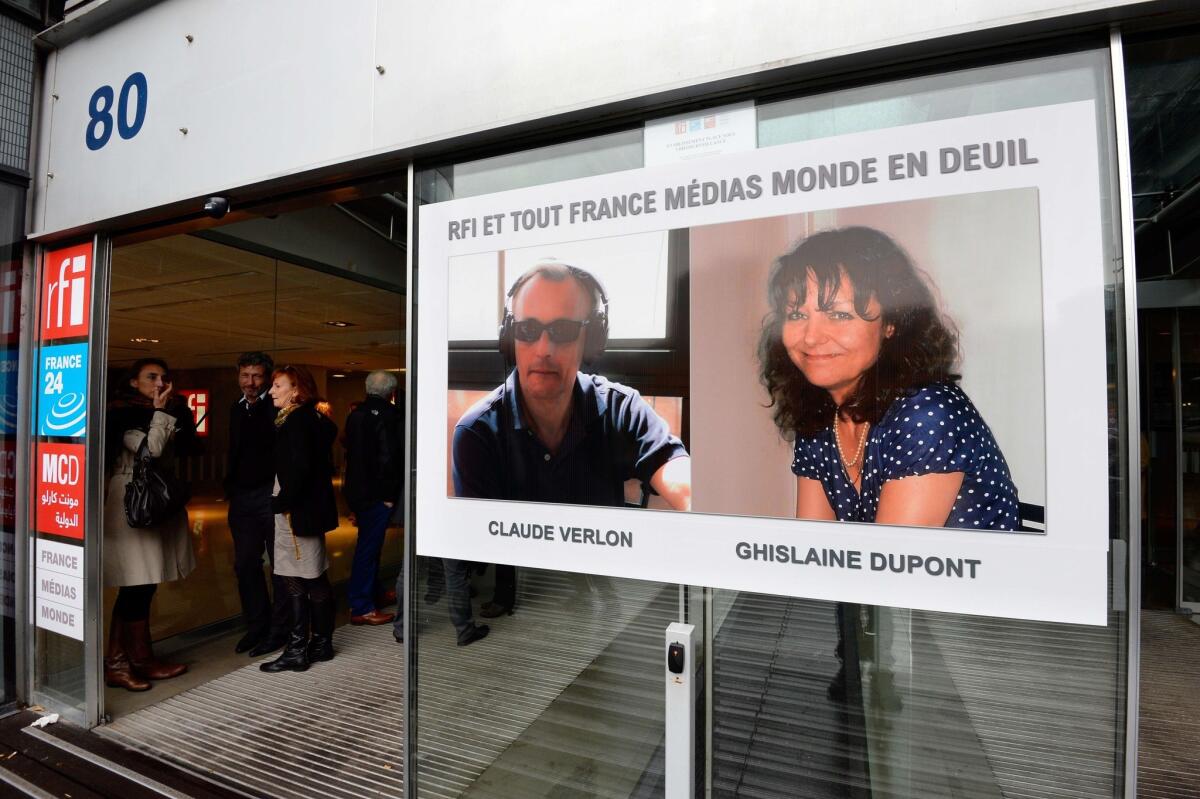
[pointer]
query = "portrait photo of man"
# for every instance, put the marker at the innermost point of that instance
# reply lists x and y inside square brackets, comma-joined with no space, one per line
[553,431]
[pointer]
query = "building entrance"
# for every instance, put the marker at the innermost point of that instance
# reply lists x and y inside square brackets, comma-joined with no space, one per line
[318,292]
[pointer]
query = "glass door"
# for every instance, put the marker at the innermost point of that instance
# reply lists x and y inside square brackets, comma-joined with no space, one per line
[811,698]
[1174,425]
[1187,554]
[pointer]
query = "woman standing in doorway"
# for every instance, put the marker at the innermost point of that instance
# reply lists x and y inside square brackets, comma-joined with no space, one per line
[137,559]
[305,509]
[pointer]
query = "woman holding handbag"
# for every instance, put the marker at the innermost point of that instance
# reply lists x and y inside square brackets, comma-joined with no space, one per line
[137,559]
[305,509]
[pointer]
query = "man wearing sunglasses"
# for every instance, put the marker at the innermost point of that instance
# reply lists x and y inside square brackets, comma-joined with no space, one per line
[552,432]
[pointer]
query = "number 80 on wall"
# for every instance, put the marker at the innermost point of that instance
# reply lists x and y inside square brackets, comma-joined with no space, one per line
[135,92]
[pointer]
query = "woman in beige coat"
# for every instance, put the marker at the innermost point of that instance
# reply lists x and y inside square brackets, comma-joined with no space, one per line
[137,559]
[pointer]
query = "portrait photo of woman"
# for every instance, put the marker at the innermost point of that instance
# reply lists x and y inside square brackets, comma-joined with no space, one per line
[858,365]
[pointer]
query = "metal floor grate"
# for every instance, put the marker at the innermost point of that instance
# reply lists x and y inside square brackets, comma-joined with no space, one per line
[334,731]
[1169,732]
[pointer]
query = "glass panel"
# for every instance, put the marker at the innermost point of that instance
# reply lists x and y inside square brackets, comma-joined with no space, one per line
[958,94]
[12,205]
[576,159]
[1162,76]
[822,699]
[1189,409]
[63,440]
[570,683]
[1160,450]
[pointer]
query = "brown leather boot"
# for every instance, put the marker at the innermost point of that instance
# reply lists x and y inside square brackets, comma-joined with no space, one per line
[141,655]
[117,670]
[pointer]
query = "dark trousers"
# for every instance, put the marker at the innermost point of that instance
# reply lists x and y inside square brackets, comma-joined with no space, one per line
[372,527]
[505,592]
[253,528]
[458,595]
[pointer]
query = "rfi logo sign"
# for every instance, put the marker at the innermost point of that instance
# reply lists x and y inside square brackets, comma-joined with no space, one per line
[66,292]
[60,488]
[197,401]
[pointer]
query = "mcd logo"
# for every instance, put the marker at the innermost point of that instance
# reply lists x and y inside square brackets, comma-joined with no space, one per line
[61,468]
[60,489]
[66,295]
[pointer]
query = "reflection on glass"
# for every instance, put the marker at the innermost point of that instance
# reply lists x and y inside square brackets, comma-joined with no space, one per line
[633,270]
[564,698]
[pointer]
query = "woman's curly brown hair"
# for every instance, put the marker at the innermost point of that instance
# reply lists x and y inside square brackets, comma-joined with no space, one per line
[921,350]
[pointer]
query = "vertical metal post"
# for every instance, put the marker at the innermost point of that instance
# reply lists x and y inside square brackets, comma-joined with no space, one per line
[1132,401]
[93,542]
[710,678]
[23,555]
[410,540]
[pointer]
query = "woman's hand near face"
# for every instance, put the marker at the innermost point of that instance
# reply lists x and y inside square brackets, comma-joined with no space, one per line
[163,396]
[811,502]
[923,501]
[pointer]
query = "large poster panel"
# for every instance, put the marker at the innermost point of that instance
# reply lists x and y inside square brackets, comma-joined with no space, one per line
[884,383]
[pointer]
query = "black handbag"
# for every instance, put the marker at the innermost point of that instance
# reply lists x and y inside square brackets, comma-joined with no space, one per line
[152,496]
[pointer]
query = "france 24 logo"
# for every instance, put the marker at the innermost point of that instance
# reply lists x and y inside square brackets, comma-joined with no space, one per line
[66,292]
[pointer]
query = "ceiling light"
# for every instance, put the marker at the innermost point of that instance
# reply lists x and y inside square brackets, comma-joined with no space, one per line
[141,340]
[339,323]
[353,363]
[337,374]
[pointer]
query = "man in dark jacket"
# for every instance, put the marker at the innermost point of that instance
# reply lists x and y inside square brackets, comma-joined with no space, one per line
[374,472]
[249,478]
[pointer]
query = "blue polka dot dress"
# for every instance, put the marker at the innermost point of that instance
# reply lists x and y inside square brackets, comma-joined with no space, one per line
[934,430]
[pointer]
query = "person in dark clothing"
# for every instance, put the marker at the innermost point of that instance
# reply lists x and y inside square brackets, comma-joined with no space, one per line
[374,465]
[248,481]
[305,509]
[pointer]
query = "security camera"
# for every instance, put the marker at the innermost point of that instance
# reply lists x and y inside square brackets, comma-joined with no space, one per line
[216,207]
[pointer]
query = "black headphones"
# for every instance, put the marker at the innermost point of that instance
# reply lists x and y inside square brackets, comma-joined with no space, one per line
[595,332]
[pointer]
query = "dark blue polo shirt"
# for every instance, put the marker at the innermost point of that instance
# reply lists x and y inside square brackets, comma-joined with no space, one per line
[613,435]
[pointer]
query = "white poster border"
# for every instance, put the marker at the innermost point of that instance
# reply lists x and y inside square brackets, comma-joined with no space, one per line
[1061,576]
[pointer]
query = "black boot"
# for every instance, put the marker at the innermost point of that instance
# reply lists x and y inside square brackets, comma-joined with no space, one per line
[295,654]
[320,646]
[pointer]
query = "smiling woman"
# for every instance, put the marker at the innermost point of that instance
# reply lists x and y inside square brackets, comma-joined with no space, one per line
[859,367]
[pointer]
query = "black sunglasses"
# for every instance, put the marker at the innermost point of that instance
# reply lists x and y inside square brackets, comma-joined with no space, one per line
[562,331]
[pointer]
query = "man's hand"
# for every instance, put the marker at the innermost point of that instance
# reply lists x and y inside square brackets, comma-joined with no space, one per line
[673,482]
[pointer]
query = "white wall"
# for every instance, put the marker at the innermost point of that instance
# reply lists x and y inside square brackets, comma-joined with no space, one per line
[272,87]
